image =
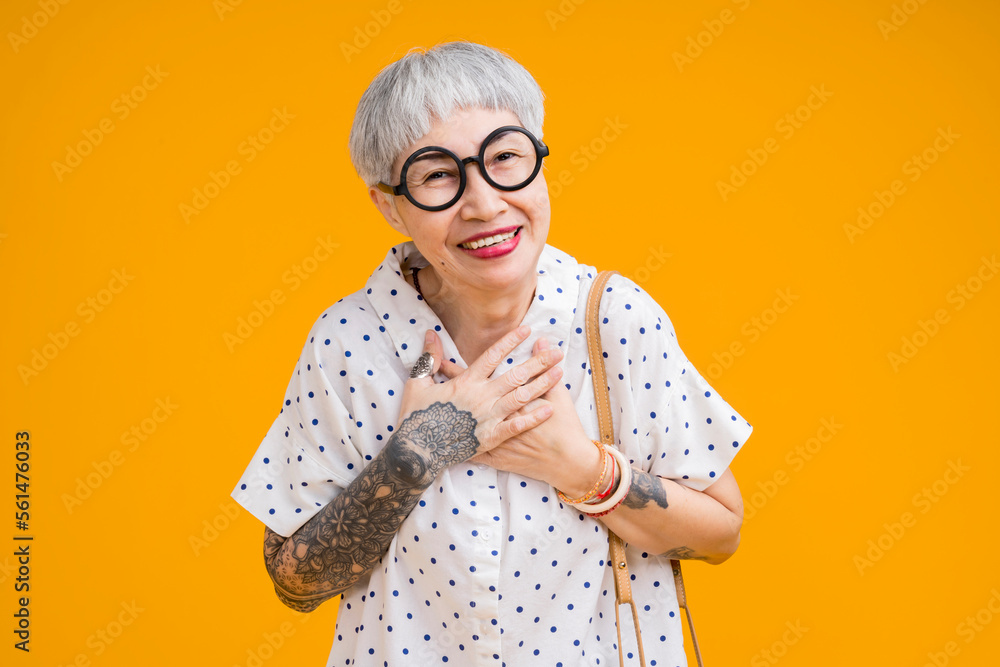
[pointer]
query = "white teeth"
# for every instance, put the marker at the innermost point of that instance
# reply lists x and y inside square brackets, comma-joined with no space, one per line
[489,240]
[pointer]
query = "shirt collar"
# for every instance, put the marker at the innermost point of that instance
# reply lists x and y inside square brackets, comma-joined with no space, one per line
[405,316]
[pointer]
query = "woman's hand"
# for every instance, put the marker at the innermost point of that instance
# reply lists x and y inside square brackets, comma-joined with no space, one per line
[702,525]
[445,423]
[440,424]
[557,451]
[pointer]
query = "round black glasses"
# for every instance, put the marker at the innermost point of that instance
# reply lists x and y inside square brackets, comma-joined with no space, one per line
[433,178]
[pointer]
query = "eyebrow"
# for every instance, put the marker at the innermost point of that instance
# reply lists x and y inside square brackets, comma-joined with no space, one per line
[432,154]
[503,134]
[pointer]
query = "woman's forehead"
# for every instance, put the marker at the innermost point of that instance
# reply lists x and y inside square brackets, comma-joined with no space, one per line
[462,133]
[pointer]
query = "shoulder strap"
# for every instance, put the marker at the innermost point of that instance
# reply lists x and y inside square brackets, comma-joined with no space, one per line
[596,351]
[619,564]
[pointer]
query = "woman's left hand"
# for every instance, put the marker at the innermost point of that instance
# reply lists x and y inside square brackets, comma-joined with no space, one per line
[703,525]
[557,451]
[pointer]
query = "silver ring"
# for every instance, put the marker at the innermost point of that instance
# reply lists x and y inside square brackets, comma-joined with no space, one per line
[423,367]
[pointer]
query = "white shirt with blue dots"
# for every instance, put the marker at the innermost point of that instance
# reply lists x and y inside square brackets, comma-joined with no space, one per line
[490,568]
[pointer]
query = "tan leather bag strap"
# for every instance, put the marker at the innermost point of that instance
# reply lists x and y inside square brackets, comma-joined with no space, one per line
[619,564]
[675,565]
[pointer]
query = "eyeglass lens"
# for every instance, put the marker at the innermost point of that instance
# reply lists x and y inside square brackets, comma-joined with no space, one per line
[434,178]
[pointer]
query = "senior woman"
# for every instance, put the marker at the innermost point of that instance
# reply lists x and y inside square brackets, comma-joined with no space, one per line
[440,420]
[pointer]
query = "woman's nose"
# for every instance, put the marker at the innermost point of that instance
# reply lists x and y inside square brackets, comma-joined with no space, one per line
[480,201]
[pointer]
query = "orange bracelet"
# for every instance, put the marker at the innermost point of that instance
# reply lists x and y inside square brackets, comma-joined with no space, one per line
[601,497]
[597,485]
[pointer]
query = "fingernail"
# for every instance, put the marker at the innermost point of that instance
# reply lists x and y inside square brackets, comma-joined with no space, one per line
[428,337]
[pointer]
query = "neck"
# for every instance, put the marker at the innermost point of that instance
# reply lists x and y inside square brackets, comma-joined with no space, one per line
[476,319]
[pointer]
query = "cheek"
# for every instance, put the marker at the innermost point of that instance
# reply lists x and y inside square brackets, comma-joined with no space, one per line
[536,200]
[433,233]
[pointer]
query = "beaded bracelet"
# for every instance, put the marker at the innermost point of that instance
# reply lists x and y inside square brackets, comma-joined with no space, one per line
[625,483]
[616,505]
[611,487]
[597,485]
[618,496]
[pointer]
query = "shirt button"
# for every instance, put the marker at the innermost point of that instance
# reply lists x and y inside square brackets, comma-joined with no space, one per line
[485,535]
[481,466]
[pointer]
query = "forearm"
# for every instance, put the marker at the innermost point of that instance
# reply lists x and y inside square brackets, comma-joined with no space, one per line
[666,518]
[658,515]
[345,540]
[348,537]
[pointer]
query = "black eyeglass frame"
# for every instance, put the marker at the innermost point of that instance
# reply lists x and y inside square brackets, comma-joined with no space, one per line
[541,151]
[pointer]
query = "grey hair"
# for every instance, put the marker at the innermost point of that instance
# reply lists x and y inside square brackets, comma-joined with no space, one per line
[407,97]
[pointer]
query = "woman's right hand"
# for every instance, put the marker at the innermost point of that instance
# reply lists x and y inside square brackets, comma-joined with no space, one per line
[444,423]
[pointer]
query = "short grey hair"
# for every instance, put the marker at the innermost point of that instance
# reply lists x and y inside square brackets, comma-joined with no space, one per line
[406,98]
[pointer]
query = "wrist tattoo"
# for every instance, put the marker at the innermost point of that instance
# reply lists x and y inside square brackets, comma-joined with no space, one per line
[431,440]
[646,489]
[684,553]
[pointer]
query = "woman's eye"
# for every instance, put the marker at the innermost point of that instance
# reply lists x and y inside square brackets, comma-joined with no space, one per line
[502,159]
[435,178]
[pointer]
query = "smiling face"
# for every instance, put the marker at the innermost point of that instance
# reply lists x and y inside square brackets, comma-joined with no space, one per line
[488,241]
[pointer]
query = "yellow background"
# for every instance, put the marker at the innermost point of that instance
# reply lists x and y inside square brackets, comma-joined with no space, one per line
[647,202]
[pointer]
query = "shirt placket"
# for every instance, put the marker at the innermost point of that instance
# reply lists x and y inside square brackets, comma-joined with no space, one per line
[485,558]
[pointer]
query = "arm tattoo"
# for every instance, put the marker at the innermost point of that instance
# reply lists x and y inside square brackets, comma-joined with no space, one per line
[684,553]
[646,488]
[431,440]
[348,537]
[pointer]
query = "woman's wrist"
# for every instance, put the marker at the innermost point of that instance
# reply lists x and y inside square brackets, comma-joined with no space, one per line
[610,483]
[581,471]
[621,488]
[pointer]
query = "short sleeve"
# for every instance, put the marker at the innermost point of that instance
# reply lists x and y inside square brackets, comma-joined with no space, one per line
[308,455]
[682,428]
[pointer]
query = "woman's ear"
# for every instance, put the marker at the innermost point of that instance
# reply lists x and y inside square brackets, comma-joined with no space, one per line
[387,207]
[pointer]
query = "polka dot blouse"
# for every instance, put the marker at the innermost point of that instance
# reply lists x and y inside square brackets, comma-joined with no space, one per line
[490,568]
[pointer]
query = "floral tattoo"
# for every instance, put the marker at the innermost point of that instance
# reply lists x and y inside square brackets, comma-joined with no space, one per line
[348,537]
